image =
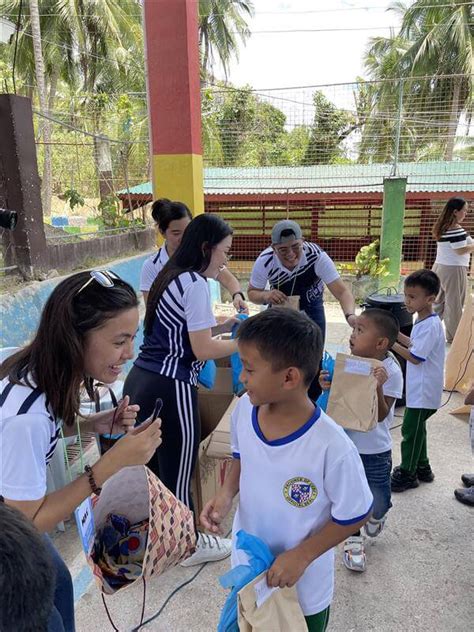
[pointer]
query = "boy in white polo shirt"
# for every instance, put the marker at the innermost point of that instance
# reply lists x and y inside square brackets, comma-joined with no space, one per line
[302,485]
[424,351]
[375,331]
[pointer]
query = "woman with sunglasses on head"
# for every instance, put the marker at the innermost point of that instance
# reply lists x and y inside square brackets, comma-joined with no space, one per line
[179,330]
[293,267]
[86,333]
[171,219]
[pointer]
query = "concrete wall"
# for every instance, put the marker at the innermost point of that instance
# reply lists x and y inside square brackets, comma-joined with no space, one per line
[62,255]
[20,312]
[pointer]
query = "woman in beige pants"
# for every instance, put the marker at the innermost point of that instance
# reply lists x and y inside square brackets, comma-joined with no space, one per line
[454,248]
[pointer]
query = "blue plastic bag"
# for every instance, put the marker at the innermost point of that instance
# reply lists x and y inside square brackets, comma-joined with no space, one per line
[260,559]
[207,376]
[235,361]
[327,365]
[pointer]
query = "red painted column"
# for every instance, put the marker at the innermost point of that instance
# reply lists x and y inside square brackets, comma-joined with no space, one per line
[174,100]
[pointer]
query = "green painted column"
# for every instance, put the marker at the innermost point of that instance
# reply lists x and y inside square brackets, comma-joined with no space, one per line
[393,214]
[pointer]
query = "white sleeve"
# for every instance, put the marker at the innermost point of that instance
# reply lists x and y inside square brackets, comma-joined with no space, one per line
[393,387]
[197,306]
[347,488]
[148,275]
[24,441]
[422,341]
[325,269]
[259,275]
[461,243]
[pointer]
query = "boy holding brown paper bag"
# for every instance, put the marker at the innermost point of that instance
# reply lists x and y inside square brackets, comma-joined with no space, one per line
[302,485]
[374,333]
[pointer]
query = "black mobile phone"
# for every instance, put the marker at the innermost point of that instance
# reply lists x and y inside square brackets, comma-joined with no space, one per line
[157,408]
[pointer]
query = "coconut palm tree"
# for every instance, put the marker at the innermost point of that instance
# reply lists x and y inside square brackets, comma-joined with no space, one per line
[429,65]
[221,24]
[43,102]
[95,49]
[384,62]
[442,43]
[92,46]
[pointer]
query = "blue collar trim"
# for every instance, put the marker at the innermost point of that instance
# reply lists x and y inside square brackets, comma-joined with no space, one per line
[434,315]
[289,438]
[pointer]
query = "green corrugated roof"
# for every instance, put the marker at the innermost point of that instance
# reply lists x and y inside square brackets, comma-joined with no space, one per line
[431,177]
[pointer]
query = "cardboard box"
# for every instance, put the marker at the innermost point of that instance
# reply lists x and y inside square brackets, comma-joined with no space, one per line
[218,446]
[214,409]
[214,402]
[209,476]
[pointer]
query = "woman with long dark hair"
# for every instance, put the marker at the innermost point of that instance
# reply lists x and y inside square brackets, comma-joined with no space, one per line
[86,333]
[453,250]
[179,330]
[171,219]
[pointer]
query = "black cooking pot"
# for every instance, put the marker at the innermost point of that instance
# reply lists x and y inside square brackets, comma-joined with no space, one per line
[394,303]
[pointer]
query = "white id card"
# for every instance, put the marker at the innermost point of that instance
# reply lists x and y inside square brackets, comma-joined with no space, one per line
[263,591]
[85,524]
[358,367]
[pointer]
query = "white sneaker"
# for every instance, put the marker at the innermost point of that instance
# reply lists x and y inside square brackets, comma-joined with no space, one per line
[209,548]
[374,527]
[354,554]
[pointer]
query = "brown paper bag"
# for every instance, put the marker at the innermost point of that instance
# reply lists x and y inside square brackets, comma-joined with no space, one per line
[459,373]
[292,302]
[353,396]
[278,611]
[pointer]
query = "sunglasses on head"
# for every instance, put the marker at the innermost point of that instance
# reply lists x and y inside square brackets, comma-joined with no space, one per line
[106,278]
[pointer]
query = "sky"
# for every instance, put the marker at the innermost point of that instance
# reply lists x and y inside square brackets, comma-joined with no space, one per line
[281,60]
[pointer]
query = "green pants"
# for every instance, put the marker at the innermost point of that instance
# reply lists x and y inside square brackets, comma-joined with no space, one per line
[318,622]
[414,451]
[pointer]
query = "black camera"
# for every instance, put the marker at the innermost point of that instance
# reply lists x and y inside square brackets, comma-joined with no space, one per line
[8,219]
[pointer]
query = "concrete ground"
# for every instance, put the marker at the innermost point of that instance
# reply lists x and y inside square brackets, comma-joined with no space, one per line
[420,574]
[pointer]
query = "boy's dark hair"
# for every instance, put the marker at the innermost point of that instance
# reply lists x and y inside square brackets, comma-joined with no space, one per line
[386,323]
[285,337]
[28,575]
[425,279]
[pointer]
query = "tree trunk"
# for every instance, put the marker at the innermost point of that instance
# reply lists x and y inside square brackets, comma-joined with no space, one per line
[53,84]
[103,164]
[453,120]
[42,97]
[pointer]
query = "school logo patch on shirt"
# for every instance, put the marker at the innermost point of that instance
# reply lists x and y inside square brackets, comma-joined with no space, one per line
[300,491]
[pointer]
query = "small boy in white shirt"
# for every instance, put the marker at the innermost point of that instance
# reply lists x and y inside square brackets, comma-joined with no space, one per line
[424,352]
[302,485]
[374,333]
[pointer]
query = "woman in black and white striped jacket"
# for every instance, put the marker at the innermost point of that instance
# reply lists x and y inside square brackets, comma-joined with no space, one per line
[454,248]
[179,330]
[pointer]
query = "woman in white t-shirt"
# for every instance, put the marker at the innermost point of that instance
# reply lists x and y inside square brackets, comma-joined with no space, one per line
[179,330]
[86,333]
[171,219]
[453,252]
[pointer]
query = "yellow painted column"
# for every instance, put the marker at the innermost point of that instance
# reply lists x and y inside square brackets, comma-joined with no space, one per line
[179,177]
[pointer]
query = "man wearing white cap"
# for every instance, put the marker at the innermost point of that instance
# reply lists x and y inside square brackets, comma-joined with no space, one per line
[296,268]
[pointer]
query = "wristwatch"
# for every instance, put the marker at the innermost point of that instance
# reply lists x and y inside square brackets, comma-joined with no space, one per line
[241,294]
